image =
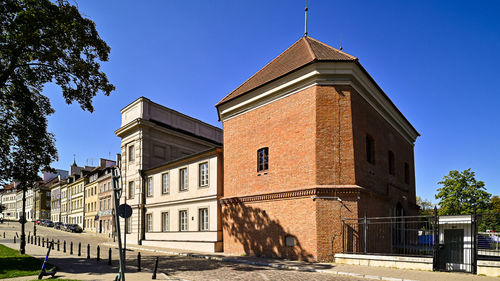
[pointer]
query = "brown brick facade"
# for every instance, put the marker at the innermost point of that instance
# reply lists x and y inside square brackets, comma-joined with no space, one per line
[316,141]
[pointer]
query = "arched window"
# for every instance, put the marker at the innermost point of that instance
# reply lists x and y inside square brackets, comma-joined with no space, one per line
[263,159]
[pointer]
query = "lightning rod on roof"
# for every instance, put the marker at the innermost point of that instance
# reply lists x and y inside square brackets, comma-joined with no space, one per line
[341,43]
[305,25]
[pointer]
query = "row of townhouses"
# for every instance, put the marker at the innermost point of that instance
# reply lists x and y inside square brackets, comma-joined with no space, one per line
[308,140]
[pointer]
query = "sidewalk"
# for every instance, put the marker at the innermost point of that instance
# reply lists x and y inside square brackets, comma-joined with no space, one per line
[77,268]
[357,271]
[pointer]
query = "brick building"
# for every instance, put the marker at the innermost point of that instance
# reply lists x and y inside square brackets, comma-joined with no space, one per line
[310,139]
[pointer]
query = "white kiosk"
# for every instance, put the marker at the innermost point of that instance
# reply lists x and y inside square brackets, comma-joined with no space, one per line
[455,240]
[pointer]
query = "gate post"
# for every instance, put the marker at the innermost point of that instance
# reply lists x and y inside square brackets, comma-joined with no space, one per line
[365,232]
[474,244]
[343,236]
[435,251]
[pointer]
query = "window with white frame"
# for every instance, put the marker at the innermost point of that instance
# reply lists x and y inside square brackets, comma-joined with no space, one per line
[149,222]
[183,220]
[165,183]
[183,174]
[203,219]
[203,174]
[149,188]
[131,153]
[164,222]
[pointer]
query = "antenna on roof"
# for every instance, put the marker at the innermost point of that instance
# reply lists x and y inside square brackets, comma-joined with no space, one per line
[305,26]
[341,44]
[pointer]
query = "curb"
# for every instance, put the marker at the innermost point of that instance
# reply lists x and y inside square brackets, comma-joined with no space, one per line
[277,266]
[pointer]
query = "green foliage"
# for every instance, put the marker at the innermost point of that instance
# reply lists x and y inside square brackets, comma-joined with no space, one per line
[460,192]
[13,264]
[426,207]
[42,42]
[495,204]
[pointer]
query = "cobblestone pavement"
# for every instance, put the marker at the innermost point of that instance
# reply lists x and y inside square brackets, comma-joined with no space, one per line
[175,267]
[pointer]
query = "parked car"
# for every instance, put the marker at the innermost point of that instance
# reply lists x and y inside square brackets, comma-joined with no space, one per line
[49,224]
[64,227]
[37,222]
[58,225]
[42,222]
[74,228]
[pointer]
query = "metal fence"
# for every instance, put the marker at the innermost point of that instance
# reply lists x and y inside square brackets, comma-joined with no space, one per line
[408,236]
[454,242]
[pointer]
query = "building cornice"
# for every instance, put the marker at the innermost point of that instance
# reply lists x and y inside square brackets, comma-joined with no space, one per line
[338,190]
[322,73]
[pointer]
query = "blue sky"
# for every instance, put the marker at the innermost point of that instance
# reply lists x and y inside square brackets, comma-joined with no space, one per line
[437,60]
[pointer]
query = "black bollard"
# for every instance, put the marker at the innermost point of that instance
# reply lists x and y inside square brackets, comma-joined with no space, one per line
[38,240]
[43,242]
[109,256]
[14,239]
[52,244]
[88,251]
[64,246]
[156,268]
[58,245]
[71,248]
[98,253]
[79,248]
[139,261]
[4,234]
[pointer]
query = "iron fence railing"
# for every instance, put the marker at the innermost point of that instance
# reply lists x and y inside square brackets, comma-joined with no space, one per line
[426,236]
[408,236]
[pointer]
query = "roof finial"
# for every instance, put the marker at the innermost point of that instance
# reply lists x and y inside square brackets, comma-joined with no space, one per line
[74,160]
[341,43]
[305,27]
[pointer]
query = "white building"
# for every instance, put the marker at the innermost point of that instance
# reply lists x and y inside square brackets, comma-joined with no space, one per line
[9,201]
[182,203]
[153,135]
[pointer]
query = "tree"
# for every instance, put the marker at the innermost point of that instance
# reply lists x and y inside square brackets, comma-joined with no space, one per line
[495,202]
[42,42]
[460,192]
[426,206]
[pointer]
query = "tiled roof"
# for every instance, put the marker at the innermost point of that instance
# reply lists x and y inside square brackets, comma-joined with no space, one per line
[306,50]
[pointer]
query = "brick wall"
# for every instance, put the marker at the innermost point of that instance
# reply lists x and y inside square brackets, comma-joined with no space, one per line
[287,127]
[315,138]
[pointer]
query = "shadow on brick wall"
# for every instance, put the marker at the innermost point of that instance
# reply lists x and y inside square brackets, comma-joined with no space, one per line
[260,235]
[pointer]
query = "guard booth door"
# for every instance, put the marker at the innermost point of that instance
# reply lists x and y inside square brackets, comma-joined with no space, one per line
[455,252]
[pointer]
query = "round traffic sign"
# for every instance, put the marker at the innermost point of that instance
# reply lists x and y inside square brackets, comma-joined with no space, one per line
[124,211]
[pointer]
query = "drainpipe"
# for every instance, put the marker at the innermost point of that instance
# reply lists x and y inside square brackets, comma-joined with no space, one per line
[142,208]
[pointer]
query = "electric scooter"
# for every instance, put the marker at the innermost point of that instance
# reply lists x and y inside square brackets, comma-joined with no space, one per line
[43,272]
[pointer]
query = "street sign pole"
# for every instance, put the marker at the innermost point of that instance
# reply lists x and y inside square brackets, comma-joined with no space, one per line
[117,193]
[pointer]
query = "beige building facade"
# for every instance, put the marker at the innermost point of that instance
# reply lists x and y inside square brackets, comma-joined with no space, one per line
[182,203]
[91,199]
[152,135]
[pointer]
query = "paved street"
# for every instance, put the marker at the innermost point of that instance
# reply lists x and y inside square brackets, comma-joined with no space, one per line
[176,267]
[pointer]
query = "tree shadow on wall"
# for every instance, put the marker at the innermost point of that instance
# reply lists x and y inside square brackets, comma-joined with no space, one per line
[260,235]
